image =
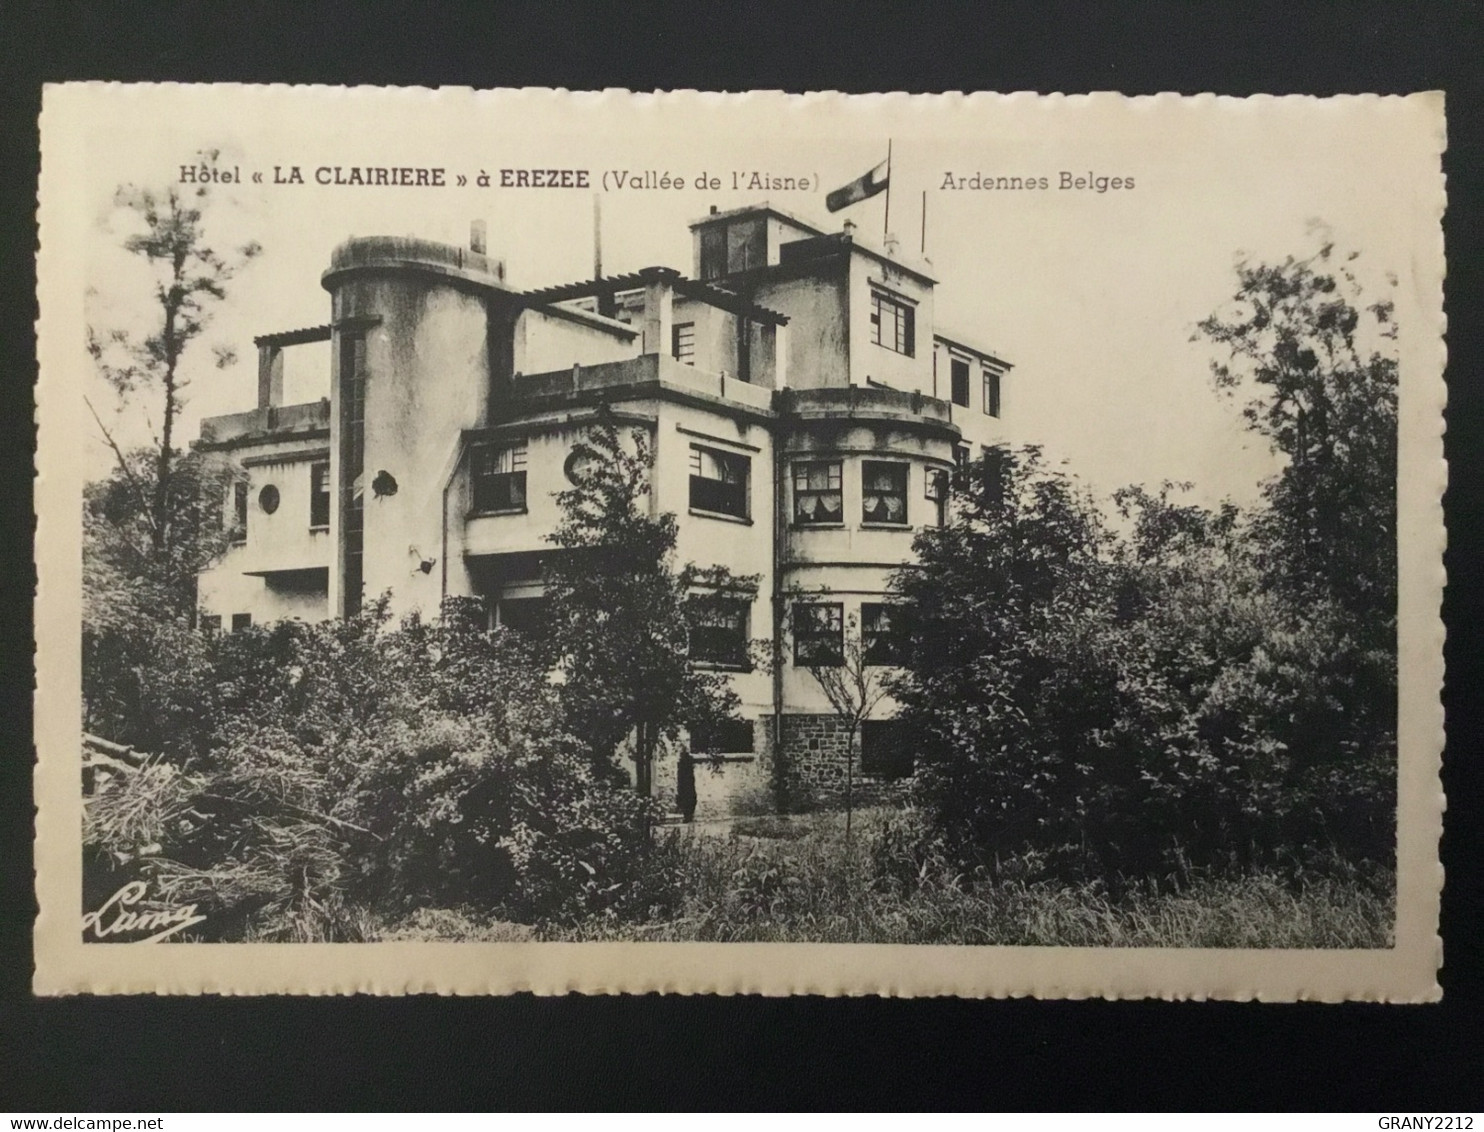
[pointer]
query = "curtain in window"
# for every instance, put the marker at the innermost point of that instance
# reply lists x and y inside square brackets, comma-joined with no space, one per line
[817,493]
[884,496]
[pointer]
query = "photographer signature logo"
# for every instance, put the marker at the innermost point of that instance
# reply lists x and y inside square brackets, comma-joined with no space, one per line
[122,918]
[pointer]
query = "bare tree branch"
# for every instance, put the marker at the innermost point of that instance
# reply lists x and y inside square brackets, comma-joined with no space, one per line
[123,463]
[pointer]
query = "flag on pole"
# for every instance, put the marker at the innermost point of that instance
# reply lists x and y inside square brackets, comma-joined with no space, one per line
[864,187]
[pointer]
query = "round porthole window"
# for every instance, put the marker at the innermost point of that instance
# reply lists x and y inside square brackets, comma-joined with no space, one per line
[577,466]
[268,499]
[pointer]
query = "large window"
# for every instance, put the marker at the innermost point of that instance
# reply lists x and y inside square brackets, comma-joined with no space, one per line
[884,492]
[683,342]
[736,246]
[718,632]
[527,615]
[819,634]
[884,633]
[886,749]
[718,481]
[319,496]
[724,737]
[959,372]
[892,323]
[500,477]
[817,498]
[992,391]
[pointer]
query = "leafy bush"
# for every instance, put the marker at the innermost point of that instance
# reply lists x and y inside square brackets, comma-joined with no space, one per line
[1136,706]
[335,767]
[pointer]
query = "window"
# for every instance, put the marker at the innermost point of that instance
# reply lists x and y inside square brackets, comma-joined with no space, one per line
[718,482]
[525,615]
[886,750]
[737,246]
[500,478]
[959,371]
[746,245]
[884,633]
[936,490]
[241,621]
[993,467]
[211,624]
[884,492]
[724,737]
[319,496]
[239,511]
[268,499]
[819,634]
[817,498]
[713,251]
[962,455]
[718,632]
[683,342]
[892,323]
[991,391]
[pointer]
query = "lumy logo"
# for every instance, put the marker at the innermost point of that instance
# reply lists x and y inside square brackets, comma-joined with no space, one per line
[121,920]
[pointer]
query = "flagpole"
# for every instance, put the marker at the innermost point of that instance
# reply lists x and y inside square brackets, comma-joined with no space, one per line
[886,219]
[922,248]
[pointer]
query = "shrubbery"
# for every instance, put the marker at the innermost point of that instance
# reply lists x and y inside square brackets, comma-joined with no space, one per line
[1135,707]
[331,768]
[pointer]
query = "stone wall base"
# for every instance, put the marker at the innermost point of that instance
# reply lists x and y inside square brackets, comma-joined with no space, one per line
[811,762]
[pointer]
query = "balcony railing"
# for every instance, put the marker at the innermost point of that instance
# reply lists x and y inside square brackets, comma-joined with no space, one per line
[649,369]
[269,420]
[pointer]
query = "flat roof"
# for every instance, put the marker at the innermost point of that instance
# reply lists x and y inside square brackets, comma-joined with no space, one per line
[951,338]
[867,247]
[299,337]
[703,292]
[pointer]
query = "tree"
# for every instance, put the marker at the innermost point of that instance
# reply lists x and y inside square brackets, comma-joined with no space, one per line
[1009,691]
[854,687]
[153,524]
[138,600]
[621,612]
[1210,690]
[1318,368]
[189,278]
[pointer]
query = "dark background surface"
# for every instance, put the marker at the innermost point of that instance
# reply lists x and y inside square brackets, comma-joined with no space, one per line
[212,1053]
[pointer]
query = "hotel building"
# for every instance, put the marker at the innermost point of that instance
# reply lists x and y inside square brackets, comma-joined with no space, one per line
[805,409]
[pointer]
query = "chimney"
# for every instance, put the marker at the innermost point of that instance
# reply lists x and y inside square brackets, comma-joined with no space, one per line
[713,210]
[849,229]
[476,237]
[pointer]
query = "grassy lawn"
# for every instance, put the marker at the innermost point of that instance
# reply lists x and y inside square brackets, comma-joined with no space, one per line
[797,879]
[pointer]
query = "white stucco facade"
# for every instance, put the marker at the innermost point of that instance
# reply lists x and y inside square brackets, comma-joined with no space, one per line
[801,405]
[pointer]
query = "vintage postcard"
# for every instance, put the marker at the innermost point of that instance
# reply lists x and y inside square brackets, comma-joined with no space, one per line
[910,545]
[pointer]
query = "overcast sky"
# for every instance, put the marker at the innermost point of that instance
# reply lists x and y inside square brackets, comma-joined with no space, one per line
[1092,296]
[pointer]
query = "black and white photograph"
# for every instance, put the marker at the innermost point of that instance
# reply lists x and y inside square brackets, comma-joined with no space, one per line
[916,545]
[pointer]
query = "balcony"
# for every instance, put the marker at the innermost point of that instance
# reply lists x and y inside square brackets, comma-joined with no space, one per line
[647,375]
[867,404]
[268,423]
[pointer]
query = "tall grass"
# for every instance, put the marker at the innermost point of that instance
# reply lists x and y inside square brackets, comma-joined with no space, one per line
[775,880]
